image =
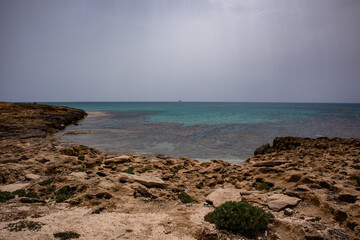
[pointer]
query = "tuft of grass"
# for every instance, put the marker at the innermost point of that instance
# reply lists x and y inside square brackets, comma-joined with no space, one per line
[263,186]
[240,218]
[63,194]
[46,182]
[49,190]
[130,170]
[81,157]
[20,193]
[83,169]
[184,198]
[66,235]
[19,226]
[96,203]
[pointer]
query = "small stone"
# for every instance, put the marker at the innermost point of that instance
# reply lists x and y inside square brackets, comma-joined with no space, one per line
[288,211]
[31,176]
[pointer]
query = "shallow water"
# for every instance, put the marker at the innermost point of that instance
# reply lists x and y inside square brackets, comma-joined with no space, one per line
[227,131]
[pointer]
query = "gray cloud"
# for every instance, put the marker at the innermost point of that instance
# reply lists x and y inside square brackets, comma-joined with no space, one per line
[164,50]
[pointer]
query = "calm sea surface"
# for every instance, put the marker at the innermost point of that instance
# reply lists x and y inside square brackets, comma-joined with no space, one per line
[227,131]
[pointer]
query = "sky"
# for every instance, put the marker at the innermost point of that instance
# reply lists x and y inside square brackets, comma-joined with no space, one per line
[190,50]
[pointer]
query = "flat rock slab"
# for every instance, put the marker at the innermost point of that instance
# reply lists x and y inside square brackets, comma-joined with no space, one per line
[31,176]
[12,187]
[222,195]
[118,159]
[278,202]
[78,174]
[144,180]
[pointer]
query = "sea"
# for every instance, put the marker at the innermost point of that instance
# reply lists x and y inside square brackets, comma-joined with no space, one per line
[205,130]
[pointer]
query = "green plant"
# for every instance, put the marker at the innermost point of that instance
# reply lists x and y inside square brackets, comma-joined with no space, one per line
[184,198]
[46,182]
[263,186]
[239,217]
[50,190]
[66,235]
[145,170]
[130,170]
[63,194]
[20,193]
[5,196]
[10,161]
[19,226]
[81,157]
[83,169]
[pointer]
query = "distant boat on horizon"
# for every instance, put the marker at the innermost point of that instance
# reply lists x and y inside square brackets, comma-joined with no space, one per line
[179,101]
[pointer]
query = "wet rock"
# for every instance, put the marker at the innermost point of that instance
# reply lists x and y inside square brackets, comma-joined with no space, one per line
[145,180]
[278,202]
[263,149]
[222,195]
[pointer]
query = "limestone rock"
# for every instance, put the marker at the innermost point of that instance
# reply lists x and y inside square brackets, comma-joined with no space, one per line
[222,195]
[31,176]
[145,180]
[78,174]
[118,159]
[277,202]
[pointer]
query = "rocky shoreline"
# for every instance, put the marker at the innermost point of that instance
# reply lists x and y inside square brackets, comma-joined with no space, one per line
[311,186]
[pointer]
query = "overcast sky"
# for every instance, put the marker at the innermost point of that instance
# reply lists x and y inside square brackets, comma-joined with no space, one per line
[193,50]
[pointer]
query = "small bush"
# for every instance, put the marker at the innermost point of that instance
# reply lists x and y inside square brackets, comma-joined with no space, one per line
[63,194]
[263,186]
[6,196]
[81,158]
[66,235]
[19,226]
[46,182]
[184,198]
[20,193]
[239,217]
[130,170]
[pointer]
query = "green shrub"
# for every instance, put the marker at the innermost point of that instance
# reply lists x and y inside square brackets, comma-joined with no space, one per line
[66,235]
[239,217]
[19,226]
[199,185]
[46,182]
[184,198]
[81,158]
[5,196]
[263,186]
[20,193]
[83,169]
[63,194]
[130,170]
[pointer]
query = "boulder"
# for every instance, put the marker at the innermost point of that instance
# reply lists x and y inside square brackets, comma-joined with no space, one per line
[144,180]
[278,202]
[222,195]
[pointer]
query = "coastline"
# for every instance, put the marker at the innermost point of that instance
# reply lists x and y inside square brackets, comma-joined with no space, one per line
[321,173]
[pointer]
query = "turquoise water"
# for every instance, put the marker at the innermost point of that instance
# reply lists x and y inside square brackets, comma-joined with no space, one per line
[228,131]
